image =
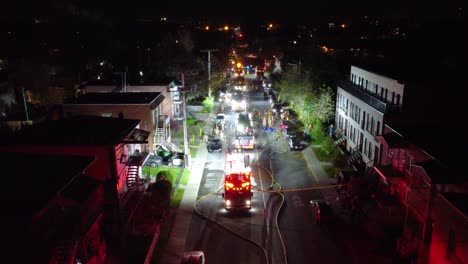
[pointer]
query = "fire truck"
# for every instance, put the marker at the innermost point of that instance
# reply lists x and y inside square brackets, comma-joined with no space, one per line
[237,182]
[244,136]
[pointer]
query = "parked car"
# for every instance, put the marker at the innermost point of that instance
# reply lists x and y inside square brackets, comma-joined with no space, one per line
[177,159]
[289,133]
[294,143]
[153,160]
[220,119]
[214,145]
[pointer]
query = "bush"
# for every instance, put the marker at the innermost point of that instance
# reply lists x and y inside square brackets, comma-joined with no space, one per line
[318,133]
[164,188]
[328,151]
[208,104]
[163,175]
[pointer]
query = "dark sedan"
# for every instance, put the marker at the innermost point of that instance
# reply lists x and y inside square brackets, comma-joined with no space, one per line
[215,145]
[294,143]
[153,160]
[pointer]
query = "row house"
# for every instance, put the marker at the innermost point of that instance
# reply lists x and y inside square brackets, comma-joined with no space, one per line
[86,199]
[144,106]
[169,108]
[420,183]
[435,222]
[363,105]
[58,209]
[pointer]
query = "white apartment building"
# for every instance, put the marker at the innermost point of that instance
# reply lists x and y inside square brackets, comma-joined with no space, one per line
[362,104]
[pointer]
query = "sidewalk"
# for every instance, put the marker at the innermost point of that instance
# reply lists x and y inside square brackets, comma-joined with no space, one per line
[175,247]
[329,194]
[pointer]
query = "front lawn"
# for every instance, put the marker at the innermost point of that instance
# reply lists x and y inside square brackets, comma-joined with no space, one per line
[150,173]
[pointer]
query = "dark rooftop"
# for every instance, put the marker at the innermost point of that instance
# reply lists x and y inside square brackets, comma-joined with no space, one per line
[459,200]
[439,173]
[78,130]
[118,98]
[117,82]
[393,139]
[33,181]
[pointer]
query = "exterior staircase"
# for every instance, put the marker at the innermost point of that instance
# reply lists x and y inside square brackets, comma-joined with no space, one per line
[169,146]
[161,141]
[132,177]
[340,140]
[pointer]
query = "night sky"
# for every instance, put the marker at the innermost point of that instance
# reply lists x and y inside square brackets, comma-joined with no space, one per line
[282,10]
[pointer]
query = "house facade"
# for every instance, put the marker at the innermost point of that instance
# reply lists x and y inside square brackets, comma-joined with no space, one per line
[170,107]
[147,107]
[433,224]
[362,104]
[113,145]
[419,182]
[166,90]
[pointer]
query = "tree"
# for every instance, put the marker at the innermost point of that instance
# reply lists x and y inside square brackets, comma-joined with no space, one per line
[324,105]
[294,88]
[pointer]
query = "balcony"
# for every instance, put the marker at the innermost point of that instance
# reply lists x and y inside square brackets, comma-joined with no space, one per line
[369,98]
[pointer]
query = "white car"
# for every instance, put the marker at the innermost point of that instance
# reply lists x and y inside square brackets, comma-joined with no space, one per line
[220,118]
[177,159]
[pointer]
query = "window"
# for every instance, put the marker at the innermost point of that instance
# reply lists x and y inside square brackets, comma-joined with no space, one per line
[363,123]
[365,146]
[359,115]
[377,130]
[367,124]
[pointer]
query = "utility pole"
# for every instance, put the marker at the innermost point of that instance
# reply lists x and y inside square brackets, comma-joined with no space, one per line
[184,112]
[209,68]
[25,105]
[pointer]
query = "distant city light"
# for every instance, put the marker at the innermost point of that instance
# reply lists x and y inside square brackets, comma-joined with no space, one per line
[207,28]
